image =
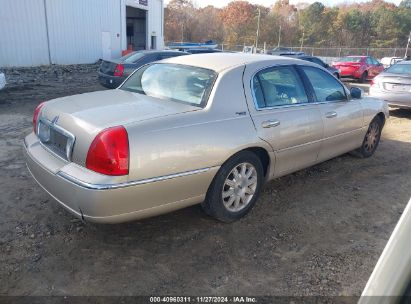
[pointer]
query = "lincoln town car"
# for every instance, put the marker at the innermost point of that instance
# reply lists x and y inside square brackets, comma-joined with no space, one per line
[205,129]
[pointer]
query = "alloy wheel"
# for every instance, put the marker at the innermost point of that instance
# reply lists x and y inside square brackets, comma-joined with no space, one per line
[372,137]
[239,187]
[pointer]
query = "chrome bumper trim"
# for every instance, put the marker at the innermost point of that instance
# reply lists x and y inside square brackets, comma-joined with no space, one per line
[127,184]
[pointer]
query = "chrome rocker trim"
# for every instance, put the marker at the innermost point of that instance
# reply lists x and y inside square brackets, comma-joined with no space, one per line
[127,184]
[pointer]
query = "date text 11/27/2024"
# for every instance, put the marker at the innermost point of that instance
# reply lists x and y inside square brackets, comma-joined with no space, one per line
[237,299]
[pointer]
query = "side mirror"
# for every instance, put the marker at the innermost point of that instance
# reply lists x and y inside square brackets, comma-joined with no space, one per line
[356,93]
[327,65]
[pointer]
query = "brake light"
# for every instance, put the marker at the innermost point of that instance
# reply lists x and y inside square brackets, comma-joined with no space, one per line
[119,70]
[36,115]
[109,152]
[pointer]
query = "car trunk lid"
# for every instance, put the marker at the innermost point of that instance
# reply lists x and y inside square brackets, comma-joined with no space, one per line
[74,121]
[108,67]
[396,83]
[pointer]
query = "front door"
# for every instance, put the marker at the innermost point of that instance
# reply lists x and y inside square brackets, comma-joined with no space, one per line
[284,117]
[342,116]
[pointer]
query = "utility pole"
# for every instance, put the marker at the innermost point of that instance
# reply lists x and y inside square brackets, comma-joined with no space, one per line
[279,37]
[182,32]
[258,28]
[408,45]
[302,41]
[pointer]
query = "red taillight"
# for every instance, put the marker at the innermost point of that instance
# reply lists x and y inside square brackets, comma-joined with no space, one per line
[36,115]
[119,70]
[109,152]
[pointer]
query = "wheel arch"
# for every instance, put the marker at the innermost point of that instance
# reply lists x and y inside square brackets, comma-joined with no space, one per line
[261,153]
[381,115]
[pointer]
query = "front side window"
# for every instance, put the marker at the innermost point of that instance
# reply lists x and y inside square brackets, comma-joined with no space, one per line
[279,86]
[326,87]
[375,61]
[174,82]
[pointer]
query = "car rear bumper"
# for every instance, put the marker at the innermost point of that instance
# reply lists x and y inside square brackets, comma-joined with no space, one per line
[111,82]
[114,202]
[400,100]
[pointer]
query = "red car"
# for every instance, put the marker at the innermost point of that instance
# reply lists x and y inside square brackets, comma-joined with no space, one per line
[359,67]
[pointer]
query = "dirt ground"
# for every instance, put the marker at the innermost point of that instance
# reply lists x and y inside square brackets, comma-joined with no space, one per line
[319,231]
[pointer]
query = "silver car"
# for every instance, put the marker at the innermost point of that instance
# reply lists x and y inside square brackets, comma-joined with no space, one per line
[394,85]
[209,129]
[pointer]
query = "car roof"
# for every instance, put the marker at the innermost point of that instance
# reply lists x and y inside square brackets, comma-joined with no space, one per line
[223,61]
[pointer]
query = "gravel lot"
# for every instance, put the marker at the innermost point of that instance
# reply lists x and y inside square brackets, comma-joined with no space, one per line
[319,231]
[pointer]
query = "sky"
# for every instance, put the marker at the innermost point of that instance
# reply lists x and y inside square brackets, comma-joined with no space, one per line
[221,3]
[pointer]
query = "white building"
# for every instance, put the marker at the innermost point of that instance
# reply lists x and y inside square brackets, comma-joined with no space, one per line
[42,32]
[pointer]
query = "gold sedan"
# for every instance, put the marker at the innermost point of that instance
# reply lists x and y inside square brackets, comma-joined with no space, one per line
[209,129]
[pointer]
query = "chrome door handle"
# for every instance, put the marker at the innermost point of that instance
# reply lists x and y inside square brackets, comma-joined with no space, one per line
[270,124]
[331,114]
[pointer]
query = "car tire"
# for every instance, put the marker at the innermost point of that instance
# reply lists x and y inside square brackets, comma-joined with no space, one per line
[363,77]
[371,139]
[235,188]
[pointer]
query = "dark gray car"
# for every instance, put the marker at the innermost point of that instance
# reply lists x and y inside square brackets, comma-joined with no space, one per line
[318,61]
[112,73]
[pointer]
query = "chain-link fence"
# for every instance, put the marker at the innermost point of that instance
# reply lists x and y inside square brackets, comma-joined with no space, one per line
[327,52]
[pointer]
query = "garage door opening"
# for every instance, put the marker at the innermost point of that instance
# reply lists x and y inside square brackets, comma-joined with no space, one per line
[136,28]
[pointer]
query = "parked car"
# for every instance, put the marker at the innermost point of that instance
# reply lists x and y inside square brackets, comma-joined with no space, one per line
[332,70]
[390,281]
[202,51]
[2,80]
[394,85]
[283,51]
[358,67]
[389,61]
[209,128]
[112,73]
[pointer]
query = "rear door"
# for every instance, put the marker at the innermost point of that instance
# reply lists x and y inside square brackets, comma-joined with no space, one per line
[283,115]
[342,116]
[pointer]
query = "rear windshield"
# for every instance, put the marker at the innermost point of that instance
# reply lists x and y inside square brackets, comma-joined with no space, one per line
[133,57]
[351,59]
[400,69]
[175,82]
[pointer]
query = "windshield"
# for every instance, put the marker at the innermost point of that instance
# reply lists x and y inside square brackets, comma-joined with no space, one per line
[133,57]
[180,83]
[350,59]
[400,69]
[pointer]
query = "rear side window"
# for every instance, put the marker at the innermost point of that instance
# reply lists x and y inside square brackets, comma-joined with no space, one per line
[279,86]
[326,87]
